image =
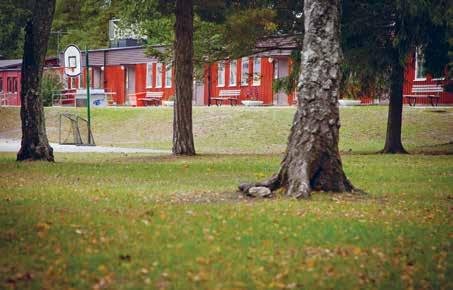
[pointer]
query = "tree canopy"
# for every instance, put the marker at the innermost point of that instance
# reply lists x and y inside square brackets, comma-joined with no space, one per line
[13,16]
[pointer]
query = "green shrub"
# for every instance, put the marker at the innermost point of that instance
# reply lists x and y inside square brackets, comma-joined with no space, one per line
[50,84]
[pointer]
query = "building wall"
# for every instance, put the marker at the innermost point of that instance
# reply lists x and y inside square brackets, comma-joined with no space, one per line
[114,80]
[409,81]
[10,97]
[141,77]
[262,92]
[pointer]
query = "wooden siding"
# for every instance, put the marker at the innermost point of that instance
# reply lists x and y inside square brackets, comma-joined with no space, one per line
[127,56]
[409,82]
[11,98]
[262,92]
[114,80]
[140,83]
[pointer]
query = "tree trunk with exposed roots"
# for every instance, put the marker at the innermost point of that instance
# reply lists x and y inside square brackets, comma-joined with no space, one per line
[35,145]
[183,143]
[312,160]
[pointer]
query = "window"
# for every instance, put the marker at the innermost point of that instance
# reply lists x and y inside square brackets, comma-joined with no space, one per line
[256,71]
[245,71]
[276,68]
[15,85]
[158,75]
[233,72]
[1,85]
[168,72]
[73,83]
[221,74]
[419,65]
[9,85]
[149,75]
[65,81]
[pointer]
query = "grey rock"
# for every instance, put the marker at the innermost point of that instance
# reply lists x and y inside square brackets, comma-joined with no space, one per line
[244,187]
[259,191]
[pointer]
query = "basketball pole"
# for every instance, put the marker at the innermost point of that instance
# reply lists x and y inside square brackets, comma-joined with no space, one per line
[88,95]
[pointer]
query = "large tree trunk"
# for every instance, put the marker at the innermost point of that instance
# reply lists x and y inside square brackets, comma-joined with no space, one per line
[312,160]
[35,145]
[182,118]
[393,142]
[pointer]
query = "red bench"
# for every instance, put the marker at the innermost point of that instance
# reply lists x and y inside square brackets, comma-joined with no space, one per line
[227,95]
[150,97]
[430,92]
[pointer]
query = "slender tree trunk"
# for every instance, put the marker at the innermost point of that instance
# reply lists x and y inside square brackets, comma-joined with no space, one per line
[393,142]
[35,145]
[312,160]
[182,118]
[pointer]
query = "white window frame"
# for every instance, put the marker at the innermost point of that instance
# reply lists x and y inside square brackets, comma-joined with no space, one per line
[233,73]
[149,75]
[73,82]
[220,72]
[417,52]
[168,76]
[65,82]
[256,72]
[276,69]
[159,73]
[244,71]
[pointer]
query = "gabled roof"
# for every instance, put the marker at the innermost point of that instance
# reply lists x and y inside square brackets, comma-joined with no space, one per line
[16,64]
[10,63]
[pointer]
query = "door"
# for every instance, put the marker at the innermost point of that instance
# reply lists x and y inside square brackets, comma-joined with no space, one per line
[280,71]
[198,93]
[130,83]
[97,78]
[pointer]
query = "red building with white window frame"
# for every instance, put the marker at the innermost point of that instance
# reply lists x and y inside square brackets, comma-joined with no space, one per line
[417,82]
[10,80]
[252,75]
[128,74]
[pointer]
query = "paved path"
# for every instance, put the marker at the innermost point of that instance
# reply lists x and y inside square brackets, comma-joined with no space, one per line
[9,145]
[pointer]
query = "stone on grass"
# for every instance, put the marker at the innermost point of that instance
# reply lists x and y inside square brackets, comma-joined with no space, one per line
[259,191]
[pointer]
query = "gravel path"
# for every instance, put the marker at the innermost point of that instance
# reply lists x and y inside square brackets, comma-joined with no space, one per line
[9,145]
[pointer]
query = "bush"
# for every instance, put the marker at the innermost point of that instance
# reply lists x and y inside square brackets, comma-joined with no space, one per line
[50,84]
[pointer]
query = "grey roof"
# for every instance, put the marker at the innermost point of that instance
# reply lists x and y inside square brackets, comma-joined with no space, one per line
[9,63]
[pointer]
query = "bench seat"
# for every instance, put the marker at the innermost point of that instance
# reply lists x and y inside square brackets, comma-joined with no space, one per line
[151,97]
[430,92]
[227,95]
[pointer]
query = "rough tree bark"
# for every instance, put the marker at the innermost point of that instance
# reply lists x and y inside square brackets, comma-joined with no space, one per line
[182,117]
[35,145]
[393,142]
[312,160]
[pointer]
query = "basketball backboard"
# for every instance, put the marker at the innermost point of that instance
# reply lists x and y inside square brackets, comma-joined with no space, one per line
[72,61]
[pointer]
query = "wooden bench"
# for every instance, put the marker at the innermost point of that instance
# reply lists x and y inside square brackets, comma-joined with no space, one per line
[150,97]
[227,95]
[431,92]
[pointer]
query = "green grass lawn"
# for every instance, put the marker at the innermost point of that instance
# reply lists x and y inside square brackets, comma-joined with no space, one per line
[246,130]
[116,221]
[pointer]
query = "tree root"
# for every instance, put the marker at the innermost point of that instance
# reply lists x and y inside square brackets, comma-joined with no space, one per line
[303,191]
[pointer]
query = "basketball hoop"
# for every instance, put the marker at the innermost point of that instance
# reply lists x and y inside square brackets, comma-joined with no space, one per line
[72,61]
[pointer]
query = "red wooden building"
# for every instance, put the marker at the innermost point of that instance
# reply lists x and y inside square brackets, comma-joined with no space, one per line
[10,82]
[420,85]
[10,76]
[127,73]
[128,76]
